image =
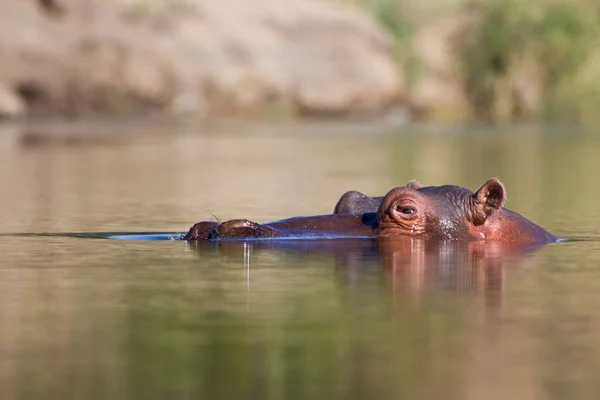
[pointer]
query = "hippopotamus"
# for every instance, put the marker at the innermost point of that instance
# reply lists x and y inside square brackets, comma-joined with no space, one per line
[445,212]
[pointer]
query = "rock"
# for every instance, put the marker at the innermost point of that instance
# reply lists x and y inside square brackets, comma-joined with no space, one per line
[201,57]
[11,105]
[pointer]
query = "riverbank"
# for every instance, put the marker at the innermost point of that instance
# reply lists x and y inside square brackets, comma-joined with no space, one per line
[271,58]
[452,61]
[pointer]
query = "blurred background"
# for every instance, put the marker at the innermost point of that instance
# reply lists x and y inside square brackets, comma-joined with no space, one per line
[442,61]
[150,115]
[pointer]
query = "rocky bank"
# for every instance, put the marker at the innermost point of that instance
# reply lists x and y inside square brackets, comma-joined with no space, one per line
[76,58]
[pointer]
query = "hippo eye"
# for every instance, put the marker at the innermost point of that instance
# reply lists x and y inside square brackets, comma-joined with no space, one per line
[405,210]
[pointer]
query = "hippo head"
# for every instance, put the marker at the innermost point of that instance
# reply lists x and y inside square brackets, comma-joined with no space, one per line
[440,212]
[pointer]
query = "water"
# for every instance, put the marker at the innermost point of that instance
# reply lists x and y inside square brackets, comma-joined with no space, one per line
[343,319]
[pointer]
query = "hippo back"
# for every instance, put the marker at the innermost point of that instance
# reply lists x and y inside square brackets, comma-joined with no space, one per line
[357,203]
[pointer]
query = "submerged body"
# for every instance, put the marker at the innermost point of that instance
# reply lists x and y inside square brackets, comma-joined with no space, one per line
[435,212]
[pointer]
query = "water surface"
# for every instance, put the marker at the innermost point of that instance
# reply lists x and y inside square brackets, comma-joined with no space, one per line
[342,319]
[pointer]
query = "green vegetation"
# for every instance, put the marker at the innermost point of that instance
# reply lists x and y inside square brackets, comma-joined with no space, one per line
[397,21]
[518,61]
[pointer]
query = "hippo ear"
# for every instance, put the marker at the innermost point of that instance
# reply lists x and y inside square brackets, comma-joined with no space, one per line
[488,198]
[414,185]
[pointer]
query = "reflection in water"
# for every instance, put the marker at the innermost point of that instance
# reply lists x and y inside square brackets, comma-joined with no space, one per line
[406,264]
[410,264]
[403,281]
